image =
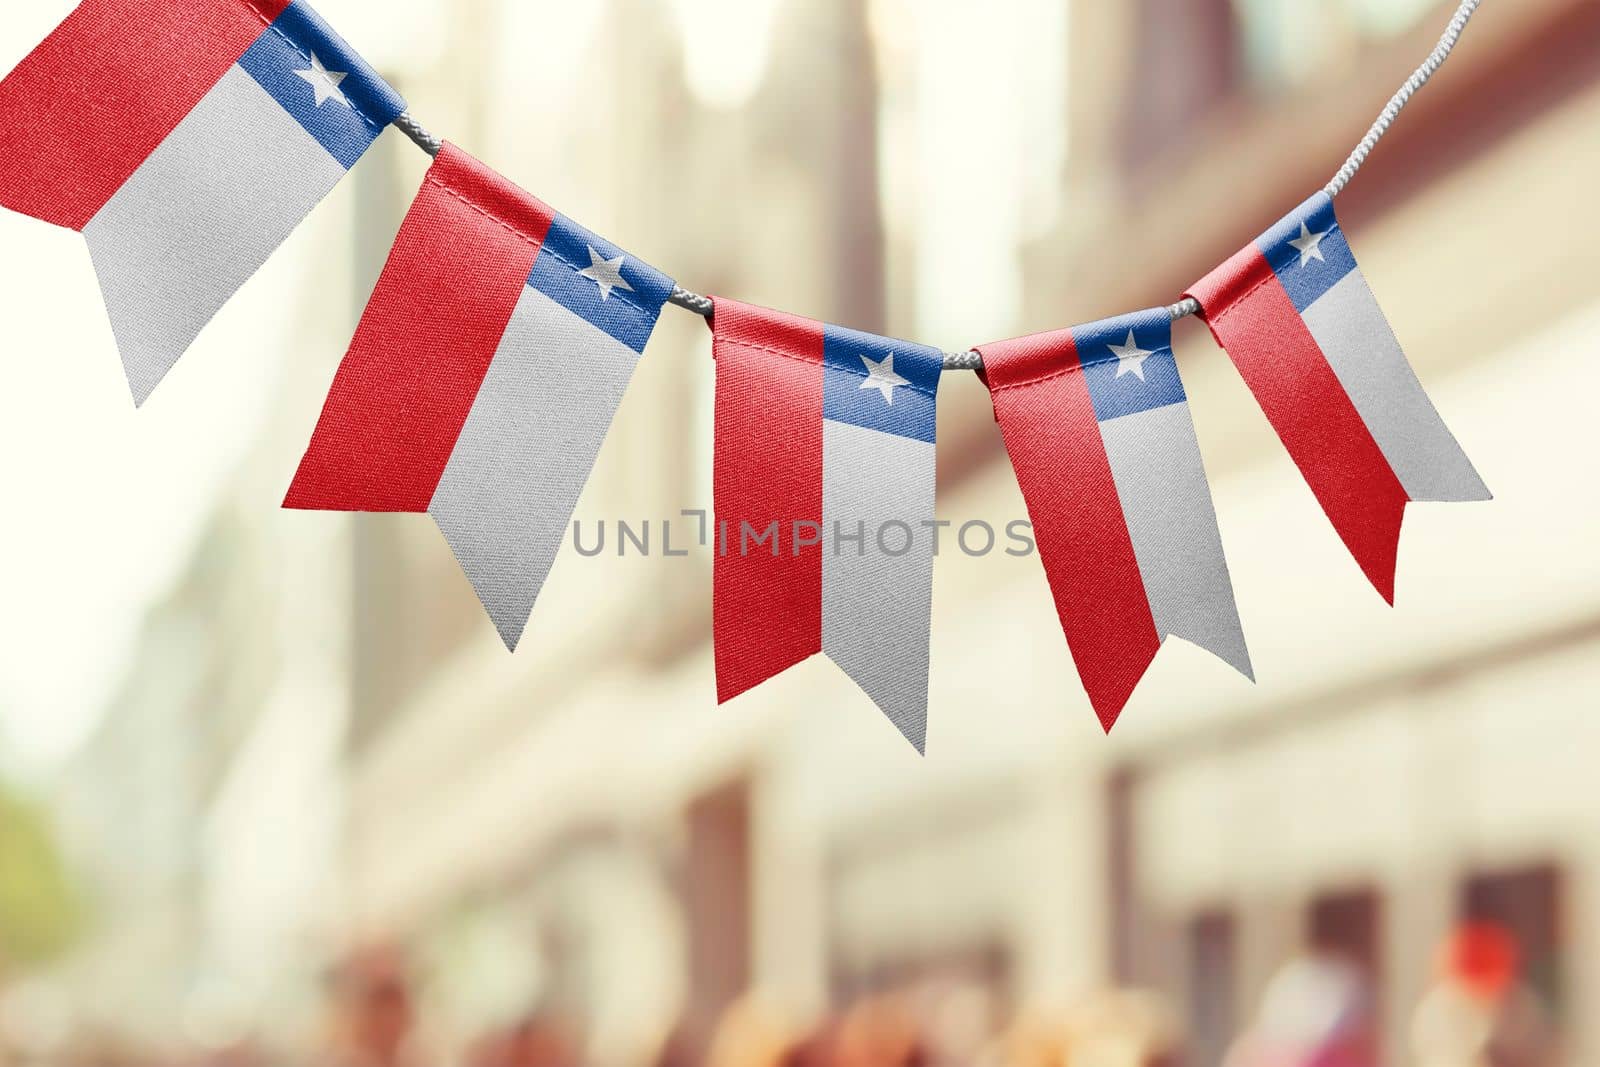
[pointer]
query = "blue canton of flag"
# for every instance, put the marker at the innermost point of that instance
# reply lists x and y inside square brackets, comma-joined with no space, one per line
[1308,252]
[596,280]
[1128,364]
[879,383]
[322,83]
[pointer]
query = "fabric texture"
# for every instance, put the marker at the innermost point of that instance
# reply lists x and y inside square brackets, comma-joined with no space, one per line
[169,251]
[1299,321]
[424,343]
[824,498]
[1097,425]
[88,105]
[766,469]
[187,141]
[483,379]
[879,424]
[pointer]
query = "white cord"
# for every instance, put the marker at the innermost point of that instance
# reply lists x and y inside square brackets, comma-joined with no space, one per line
[1397,103]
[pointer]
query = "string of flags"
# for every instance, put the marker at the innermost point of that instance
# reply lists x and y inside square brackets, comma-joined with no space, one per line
[501,336]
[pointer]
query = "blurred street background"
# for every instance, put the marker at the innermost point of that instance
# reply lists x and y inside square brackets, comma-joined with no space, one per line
[272,792]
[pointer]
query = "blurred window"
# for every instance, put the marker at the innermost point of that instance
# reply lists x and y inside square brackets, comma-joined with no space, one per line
[1197,53]
[1188,62]
[716,888]
[1526,903]
[1212,981]
[1290,42]
[984,965]
[1122,875]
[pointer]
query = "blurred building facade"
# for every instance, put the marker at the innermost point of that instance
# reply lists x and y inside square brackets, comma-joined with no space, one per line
[581,826]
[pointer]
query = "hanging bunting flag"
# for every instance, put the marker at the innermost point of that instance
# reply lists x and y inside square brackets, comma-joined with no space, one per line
[1097,425]
[824,498]
[482,379]
[1302,326]
[185,139]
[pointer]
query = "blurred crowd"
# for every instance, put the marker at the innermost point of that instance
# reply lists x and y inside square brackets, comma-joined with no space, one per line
[1318,1011]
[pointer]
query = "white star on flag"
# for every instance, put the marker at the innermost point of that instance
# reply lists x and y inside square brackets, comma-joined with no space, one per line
[1130,358]
[606,273]
[324,82]
[1309,245]
[881,376]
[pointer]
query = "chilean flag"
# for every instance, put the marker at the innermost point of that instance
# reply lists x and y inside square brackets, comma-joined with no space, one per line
[824,497]
[1097,424]
[185,139]
[1302,326]
[483,378]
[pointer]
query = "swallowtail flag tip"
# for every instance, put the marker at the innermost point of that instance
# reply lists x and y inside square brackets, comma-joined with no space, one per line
[824,490]
[1096,422]
[185,139]
[1298,319]
[483,379]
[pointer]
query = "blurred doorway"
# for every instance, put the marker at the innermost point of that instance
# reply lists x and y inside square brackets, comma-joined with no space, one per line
[716,899]
[1348,925]
[1213,982]
[1527,903]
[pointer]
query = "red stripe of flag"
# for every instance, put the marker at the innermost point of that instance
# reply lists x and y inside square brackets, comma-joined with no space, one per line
[1048,420]
[425,342]
[767,611]
[1252,317]
[90,104]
